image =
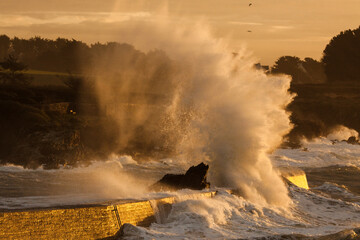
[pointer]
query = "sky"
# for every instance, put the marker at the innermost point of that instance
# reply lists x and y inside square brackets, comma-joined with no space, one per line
[268,28]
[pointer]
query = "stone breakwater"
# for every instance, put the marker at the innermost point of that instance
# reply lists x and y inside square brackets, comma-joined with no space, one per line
[84,222]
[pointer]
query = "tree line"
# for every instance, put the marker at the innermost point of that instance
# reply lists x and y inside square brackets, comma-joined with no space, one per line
[60,55]
[71,56]
[340,62]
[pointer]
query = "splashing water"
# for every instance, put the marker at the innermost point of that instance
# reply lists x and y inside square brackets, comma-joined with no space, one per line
[219,109]
[342,133]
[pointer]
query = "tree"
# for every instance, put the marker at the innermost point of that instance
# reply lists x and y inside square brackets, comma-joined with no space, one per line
[341,57]
[12,71]
[4,46]
[301,71]
[315,70]
[74,55]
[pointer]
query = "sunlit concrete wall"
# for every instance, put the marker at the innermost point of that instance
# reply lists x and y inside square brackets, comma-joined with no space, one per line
[97,222]
[295,176]
[75,223]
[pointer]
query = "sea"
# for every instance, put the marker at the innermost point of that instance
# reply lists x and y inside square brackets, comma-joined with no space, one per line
[330,206]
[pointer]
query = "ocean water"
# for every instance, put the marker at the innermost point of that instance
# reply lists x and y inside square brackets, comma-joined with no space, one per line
[330,206]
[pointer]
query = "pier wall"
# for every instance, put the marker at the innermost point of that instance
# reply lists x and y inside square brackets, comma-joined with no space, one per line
[92,222]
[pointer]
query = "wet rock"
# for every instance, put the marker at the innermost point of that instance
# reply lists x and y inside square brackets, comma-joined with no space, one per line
[194,178]
[352,140]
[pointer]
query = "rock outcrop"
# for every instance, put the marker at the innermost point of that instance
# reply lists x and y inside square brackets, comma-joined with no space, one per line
[353,140]
[194,178]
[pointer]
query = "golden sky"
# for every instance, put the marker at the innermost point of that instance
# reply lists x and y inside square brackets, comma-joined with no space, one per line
[278,27]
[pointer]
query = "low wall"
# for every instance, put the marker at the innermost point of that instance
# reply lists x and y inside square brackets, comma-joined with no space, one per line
[73,223]
[91,222]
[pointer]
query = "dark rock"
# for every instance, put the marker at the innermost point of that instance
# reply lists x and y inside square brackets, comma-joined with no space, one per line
[194,178]
[352,140]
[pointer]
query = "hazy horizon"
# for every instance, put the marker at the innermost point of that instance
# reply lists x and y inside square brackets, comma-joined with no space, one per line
[268,29]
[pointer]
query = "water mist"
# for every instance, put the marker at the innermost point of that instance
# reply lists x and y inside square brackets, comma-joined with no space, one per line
[218,106]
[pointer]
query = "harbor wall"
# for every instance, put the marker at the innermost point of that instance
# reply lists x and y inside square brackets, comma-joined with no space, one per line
[89,222]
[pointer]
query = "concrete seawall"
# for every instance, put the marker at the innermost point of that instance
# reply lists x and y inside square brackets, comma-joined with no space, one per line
[294,176]
[87,222]
[100,221]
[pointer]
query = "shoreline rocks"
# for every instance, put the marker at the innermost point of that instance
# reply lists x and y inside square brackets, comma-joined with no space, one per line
[194,178]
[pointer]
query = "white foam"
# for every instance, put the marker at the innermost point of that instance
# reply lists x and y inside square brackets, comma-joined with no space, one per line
[122,159]
[230,217]
[16,168]
[342,133]
[321,152]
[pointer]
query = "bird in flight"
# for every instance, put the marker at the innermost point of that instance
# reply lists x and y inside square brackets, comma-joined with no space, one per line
[250,4]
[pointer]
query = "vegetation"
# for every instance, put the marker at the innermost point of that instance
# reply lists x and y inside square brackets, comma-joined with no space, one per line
[327,92]
[340,62]
[342,57]
[12,71]
[55,119]
[302,71]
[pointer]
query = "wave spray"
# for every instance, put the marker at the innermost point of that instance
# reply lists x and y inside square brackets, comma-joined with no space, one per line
[219,108]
